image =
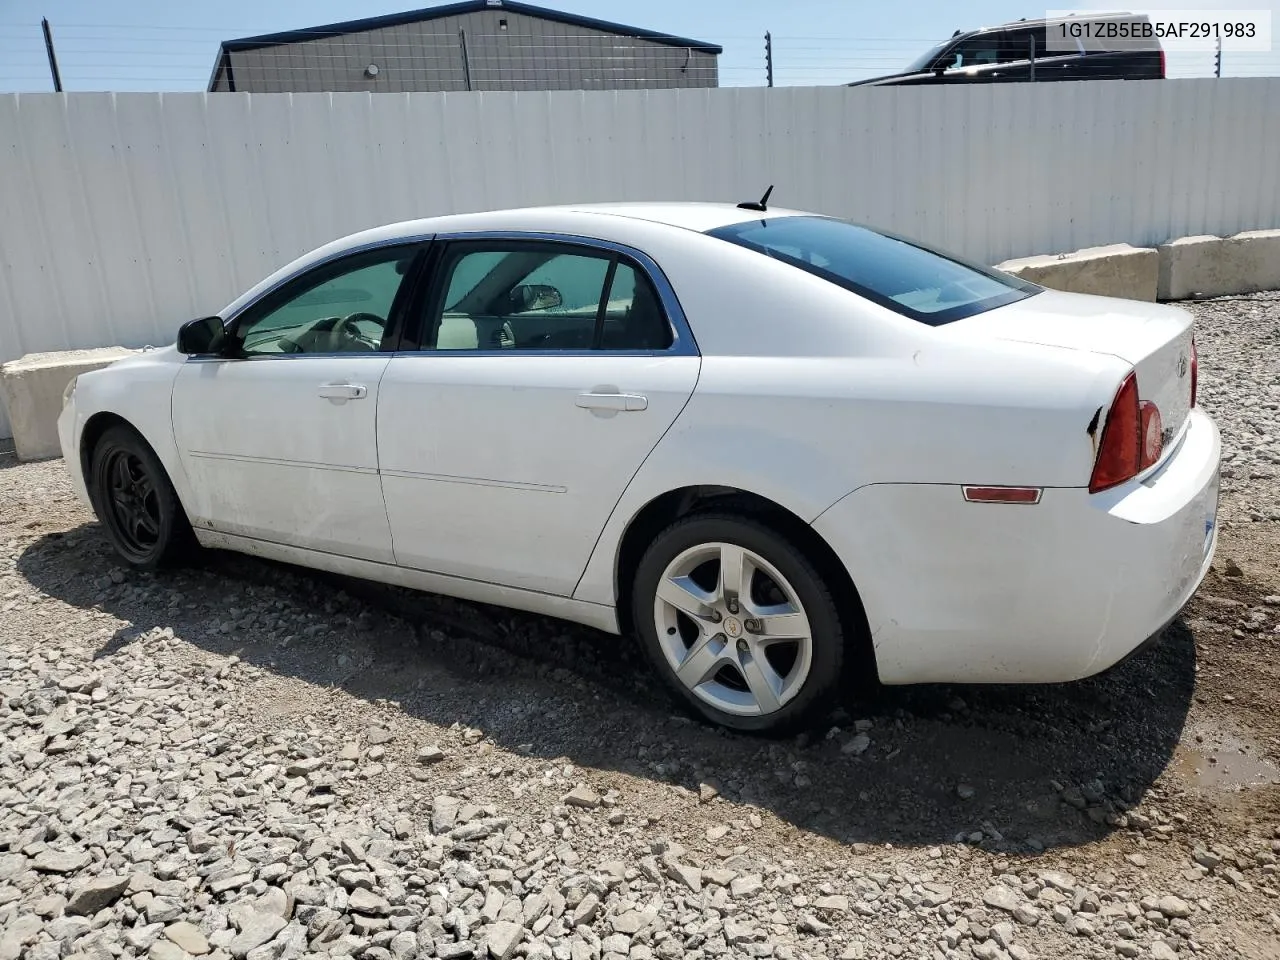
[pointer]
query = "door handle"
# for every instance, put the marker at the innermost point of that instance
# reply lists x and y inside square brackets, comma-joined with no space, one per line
[618,402]
[343,391]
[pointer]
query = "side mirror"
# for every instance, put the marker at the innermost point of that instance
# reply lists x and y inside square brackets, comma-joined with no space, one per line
[202,337]
[534,296]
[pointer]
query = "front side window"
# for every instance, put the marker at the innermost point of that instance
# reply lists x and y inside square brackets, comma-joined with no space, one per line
[982,50]
[541,296]
[341,307]
[900,274]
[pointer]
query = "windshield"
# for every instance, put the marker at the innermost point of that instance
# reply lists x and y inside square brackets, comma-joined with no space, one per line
[897,273]
[922,62]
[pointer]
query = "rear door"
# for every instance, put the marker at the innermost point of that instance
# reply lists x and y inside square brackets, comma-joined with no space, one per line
[539,376]
[1029,45]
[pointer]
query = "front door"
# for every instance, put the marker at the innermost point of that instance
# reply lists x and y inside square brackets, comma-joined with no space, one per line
[991,57]
[547,373]
[278,437]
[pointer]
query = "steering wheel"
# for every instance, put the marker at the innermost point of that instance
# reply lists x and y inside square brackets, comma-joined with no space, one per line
[345,328]
[333,335]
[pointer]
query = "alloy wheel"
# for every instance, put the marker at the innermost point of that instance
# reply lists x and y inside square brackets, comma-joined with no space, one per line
[733,629]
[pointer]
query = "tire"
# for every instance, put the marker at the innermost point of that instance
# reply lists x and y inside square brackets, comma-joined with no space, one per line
[718,667]
[135,501]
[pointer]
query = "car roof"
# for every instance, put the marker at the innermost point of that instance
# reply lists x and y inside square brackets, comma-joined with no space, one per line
[616,222]
[1026,22]
[601,221]
[687,215]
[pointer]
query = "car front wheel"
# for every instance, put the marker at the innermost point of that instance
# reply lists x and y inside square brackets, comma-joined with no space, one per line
[739,623]
[135,501]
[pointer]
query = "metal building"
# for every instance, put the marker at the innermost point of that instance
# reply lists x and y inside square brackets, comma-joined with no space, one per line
[471,45]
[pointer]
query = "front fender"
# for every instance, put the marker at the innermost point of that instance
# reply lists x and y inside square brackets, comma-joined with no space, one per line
[137,390]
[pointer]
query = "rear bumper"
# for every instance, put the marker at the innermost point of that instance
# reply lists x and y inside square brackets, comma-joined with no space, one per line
[968,592]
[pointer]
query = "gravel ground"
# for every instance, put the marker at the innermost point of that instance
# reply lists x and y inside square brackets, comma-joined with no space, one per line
[252,762]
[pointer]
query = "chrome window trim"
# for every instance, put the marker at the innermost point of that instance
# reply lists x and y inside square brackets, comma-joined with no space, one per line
[683,343]
[333,355]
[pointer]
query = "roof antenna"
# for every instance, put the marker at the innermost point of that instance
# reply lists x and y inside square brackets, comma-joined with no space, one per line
[757,205]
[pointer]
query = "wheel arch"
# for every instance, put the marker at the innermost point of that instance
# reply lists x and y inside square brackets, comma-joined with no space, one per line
[97,425]
[664,509]
[94,428]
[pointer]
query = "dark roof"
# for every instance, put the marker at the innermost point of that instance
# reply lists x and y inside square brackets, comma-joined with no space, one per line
[456,9]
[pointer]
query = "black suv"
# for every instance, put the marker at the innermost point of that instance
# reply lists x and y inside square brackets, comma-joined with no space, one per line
[1038,50]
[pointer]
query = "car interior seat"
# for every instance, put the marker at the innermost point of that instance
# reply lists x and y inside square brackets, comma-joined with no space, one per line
[457,333]
[645,325]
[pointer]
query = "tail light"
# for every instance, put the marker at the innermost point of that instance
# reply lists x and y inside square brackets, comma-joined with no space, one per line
[1119,452]
[1195,371]
[1132,439]
[1163,73]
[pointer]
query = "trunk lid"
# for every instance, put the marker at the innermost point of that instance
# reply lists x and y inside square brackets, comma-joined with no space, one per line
[1154,338]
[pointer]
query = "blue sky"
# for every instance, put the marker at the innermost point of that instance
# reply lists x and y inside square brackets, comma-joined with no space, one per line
[171,44]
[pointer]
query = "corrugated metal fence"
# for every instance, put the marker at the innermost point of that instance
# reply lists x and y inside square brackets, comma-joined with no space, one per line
[122,215]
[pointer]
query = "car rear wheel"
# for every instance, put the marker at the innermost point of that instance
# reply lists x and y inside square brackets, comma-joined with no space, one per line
[135,501]
[739,623]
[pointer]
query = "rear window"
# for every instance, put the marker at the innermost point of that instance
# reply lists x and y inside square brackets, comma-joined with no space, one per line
[900,274]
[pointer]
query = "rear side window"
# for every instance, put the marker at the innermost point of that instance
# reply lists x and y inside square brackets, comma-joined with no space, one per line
[1023,42]
[900,274]
[537,296]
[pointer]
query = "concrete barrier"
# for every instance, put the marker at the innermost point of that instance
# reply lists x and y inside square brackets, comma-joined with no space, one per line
[1118,270]
[1259,251]
[1193,266]
[1208,266]
[32,387]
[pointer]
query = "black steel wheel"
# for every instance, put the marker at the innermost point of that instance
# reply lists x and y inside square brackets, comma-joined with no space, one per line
[135,501]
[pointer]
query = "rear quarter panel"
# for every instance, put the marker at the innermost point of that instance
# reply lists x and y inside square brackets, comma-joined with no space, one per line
[842,394]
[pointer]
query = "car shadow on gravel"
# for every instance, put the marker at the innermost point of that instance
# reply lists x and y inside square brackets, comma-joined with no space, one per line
[1014,767]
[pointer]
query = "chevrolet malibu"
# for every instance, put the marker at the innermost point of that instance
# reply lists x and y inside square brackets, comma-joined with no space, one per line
[784,451]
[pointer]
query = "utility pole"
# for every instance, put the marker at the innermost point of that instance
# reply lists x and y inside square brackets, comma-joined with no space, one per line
[768,57]
[1217,60]
[466,60]
[53,57]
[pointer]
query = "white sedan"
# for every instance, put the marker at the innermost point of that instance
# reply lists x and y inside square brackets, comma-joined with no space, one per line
[783,450]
